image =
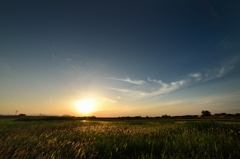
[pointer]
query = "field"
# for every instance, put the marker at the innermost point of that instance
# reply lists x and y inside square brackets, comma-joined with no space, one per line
[119,139]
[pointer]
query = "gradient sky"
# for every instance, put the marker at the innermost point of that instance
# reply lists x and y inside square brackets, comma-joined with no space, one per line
[131,57]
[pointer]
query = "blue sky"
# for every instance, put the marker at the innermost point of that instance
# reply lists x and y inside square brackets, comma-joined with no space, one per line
[129,57]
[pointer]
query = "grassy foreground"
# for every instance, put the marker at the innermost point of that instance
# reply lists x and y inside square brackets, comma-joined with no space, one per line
[115,139]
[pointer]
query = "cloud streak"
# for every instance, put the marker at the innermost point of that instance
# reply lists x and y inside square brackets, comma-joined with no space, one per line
[154,87]
[137,82]
[126,91]
[216,73]
[107,100]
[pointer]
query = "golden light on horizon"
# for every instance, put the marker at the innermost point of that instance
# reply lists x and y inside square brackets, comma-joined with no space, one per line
[85,106]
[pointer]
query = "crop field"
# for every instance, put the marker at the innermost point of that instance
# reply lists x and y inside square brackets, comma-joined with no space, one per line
[133,139]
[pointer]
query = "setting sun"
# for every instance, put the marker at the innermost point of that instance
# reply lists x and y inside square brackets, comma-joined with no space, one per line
[85,106]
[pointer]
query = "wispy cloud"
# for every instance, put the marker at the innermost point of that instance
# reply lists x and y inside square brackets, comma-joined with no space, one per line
[216,73]
[196,76]
[157,81]
[126,91]
[138,82]
[154,87]
[223,71]
[163,88]
[107,100]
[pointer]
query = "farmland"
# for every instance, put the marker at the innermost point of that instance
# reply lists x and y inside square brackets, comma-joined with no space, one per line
[119,139]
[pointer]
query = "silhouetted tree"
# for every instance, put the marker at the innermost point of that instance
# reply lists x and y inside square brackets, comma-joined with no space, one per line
[166,116]
[21,114]
[206,113]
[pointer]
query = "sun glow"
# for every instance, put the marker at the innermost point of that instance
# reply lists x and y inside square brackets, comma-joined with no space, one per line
[85,106]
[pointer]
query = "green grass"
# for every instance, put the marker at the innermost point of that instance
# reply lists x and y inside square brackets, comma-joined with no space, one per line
[119,139]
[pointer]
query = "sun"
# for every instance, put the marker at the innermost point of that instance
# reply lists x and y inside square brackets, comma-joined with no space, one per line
[85,106]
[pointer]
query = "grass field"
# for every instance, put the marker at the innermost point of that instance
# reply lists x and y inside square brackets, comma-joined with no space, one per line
[119,139]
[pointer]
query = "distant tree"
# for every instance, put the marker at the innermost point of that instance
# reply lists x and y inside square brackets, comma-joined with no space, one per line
[137,117]
[206,113]
[66,115]
[166,116]
[237,115]
[21,114]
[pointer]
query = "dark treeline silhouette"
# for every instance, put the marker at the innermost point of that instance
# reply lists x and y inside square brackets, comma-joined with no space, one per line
[225,115]
[53,118]
[186,116]
[204,114]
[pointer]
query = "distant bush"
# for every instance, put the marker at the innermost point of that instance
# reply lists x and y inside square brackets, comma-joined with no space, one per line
[21,114]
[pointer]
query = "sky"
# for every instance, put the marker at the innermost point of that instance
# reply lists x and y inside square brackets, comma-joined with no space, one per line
[130,57]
